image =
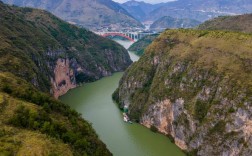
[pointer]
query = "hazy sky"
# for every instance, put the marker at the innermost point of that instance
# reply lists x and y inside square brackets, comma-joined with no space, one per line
[147,1]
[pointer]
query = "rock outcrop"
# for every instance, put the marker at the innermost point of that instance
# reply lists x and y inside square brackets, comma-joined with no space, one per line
[64,78]
[40,53]
[195,86]
[52,54]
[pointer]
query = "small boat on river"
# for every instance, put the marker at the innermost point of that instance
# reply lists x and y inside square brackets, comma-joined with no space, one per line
[126,118]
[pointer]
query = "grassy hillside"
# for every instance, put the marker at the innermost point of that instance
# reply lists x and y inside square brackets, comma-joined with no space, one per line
[34,45]
[240,23]
[33,123]
[139,46]
[195,86]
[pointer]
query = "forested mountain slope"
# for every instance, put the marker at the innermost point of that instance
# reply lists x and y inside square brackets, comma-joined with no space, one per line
[41,56]
[196,87]
[52,54]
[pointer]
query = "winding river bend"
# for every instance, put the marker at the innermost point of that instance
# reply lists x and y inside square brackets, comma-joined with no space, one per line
[94,102]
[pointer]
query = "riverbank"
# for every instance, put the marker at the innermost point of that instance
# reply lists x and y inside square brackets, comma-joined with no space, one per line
[94,102]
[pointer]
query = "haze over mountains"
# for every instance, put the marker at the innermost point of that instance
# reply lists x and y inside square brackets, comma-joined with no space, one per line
[200,10]
[109,15]
[88,13]
[170,22]
[140,9]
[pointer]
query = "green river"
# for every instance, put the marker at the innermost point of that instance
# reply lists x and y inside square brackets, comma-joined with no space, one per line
[94,102]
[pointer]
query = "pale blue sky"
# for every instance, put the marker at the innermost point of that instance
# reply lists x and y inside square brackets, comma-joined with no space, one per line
[147,1]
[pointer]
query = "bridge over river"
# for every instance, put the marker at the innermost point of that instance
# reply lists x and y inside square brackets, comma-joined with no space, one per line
[132,36]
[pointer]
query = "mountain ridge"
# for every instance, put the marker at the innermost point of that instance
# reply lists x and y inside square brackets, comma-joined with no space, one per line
[240,23]
[42,56]
[194,86]
[140,9]
[200,10]
[168,22]
[91,14]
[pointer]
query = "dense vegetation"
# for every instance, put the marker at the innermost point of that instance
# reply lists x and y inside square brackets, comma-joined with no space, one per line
[32,41]
[240,23]
[139,46]
[31,121]
[194,85]
[233,59]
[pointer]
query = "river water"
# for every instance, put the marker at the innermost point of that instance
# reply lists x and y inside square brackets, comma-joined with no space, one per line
[94,102]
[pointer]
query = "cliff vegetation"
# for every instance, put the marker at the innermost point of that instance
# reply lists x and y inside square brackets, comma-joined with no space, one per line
[52,54]
[41,56]
[196,87]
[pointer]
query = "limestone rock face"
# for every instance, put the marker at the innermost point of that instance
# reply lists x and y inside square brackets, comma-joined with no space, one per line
[53,55]
[64,78]
[194,86]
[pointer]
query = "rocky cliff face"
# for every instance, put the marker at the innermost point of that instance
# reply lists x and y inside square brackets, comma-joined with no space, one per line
[40,53]
[64,78]
[53,55]
[194,86]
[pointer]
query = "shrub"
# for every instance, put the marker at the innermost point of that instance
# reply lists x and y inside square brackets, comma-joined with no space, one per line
[153,128]
[201,109]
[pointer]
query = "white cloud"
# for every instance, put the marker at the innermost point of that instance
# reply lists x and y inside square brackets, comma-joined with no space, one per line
[147,1]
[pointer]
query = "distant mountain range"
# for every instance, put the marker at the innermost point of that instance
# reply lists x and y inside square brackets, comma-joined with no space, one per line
[200,10]
[92,14]
[170,22]
[140,10]
[106,14]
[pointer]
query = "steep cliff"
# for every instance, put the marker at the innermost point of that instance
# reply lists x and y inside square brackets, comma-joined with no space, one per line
[196,87]
[38,47]
[41,54]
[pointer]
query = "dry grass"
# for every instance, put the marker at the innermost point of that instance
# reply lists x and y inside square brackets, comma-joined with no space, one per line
[226,52]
